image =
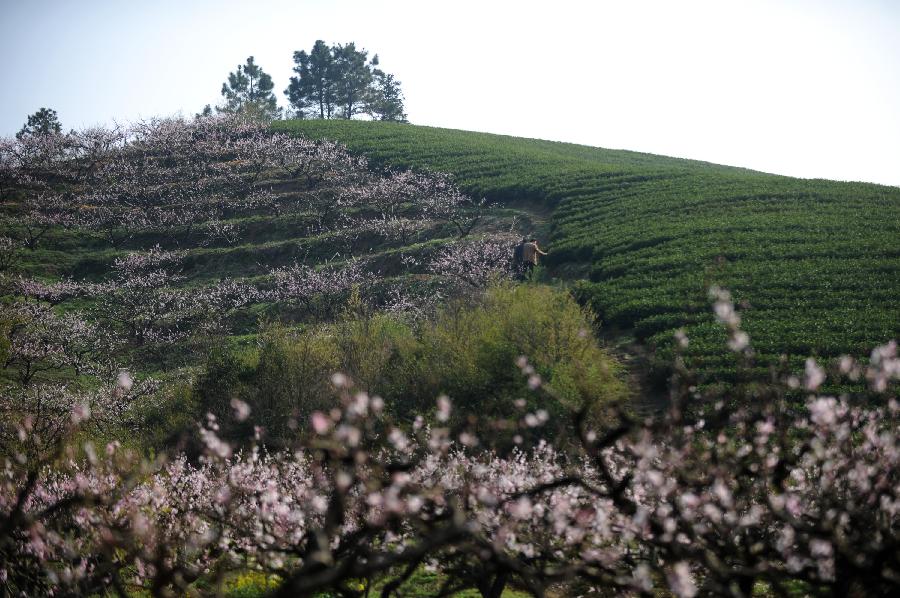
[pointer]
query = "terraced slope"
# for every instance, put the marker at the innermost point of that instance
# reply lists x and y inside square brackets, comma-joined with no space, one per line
[815,264]
[214,226]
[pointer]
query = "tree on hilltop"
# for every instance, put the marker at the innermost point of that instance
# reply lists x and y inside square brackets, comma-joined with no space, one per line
[249,91]
[353,78]
[387,101]
[313,89]
[341,82]
[43,122]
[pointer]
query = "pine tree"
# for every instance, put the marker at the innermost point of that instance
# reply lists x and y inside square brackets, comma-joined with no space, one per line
[353,79]
[43,122]
[249,91]
[340,81]
[386,98]
[312,90]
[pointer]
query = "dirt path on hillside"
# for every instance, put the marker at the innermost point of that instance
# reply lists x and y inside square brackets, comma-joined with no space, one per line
[534,219]
[650,394]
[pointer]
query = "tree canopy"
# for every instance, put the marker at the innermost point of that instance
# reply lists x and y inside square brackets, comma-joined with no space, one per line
[42,122]
[312,90]
[387,101]
[341,81]
[249,91]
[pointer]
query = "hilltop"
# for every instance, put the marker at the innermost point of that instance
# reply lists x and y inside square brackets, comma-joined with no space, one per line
[814,264]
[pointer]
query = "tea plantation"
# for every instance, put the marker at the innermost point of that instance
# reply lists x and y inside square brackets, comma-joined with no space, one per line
[813,264]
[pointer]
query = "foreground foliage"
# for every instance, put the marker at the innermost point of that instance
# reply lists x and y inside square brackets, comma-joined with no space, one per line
[750,492]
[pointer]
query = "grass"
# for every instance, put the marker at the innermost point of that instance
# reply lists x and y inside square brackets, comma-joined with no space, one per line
[814,264]
[422,584]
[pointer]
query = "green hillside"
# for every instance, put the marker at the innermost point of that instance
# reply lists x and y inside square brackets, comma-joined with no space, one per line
[814,264]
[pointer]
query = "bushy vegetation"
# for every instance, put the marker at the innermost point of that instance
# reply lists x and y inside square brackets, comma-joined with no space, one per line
[753,497]
[814,263]
[466,351]
[421,584]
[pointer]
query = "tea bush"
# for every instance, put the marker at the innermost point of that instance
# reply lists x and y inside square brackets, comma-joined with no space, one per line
[815,263]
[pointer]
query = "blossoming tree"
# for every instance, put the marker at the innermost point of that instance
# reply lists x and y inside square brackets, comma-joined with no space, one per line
[698,503]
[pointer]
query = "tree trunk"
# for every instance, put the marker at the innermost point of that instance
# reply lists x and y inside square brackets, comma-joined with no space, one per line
[495,588]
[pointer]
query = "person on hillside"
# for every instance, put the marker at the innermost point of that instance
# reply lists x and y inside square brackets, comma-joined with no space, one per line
[530,254]
[518,261]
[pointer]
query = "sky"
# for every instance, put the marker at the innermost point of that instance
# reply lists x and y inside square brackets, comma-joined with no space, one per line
[807,88]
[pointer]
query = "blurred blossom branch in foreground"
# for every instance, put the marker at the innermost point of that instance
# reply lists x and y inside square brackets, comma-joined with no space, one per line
[710,502]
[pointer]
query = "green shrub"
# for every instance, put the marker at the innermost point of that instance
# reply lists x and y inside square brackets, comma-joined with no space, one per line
[474,351]
[283,380]
[291,379]
[170,421]
[371,350]
[468,350]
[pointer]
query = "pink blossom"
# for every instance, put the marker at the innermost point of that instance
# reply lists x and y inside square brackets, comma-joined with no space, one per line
[320,423]
[814,375]
[681,581]
[241,409]
[443,408]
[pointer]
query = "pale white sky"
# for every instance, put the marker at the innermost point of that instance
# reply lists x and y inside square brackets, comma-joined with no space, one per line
[808,88]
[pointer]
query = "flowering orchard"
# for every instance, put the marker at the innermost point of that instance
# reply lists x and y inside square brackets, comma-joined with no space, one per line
[140,207]
[712,505]
[188,179]
[160,198]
